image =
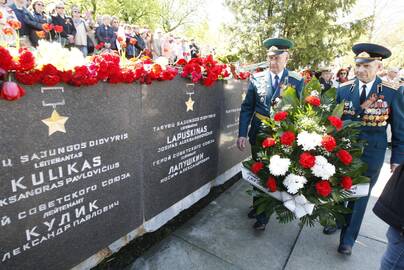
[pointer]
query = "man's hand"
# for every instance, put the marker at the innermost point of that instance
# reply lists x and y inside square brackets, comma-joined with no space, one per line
[241,143]
[393,166]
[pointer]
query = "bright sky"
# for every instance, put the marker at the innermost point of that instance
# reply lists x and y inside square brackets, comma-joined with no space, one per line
[388,12]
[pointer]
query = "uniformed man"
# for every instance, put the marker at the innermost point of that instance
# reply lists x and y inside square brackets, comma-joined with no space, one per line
[326,78]
[263,92]
[375,104]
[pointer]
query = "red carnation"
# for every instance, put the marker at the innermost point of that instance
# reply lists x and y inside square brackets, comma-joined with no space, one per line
[329,143]
[307,160]
[280,116]
[271,184]
[344,156]
[181,62]
[26,61]
[288,137]
[6,60]
[323,188]
[313,100]
[256,167]
[335,121]
[346,182]
[50,80]
[99,46]
[268,142]
[29,78]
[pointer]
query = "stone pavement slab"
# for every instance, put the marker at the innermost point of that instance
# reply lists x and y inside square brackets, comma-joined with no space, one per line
[372,226]
[223,229]
[316,251]
[175,254]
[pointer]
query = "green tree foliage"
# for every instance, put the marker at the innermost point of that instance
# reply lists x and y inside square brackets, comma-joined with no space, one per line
[176,13]
[311,24]
[170,15]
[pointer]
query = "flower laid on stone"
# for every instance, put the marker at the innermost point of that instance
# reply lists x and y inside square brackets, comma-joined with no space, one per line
[50,64]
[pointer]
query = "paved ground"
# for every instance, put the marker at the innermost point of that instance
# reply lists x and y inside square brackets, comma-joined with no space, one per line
[221,237]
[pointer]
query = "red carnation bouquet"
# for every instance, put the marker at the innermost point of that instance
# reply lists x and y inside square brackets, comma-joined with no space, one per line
[308,159]
[205,70]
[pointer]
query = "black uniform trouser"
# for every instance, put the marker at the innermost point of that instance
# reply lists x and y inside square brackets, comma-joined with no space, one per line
[262,218]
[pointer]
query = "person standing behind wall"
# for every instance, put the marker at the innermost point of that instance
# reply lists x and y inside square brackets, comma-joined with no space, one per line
[69,31]
[39,15]
[105,34]
[80,39]
[27,22]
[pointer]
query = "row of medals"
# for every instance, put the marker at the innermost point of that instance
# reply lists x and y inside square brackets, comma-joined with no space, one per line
[376,115]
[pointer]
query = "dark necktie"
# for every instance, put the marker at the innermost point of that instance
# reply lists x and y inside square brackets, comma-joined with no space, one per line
[363,94]
[276,82]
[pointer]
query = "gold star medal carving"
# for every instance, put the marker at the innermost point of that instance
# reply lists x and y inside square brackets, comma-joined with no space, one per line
[190,104]
[56,123]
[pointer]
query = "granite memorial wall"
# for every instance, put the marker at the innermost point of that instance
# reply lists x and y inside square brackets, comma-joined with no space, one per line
[83,167]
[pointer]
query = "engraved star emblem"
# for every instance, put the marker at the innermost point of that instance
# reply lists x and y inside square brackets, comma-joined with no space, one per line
[56,123]
[190,104]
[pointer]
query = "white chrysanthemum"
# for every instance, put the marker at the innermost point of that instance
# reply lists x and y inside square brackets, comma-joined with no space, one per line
[278,166]
[315,93]
[322,168]
[61,58]
[294,182]
[308,141]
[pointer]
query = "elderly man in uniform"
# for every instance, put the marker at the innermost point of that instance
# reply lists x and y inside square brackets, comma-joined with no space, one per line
[375,103]
[264,90]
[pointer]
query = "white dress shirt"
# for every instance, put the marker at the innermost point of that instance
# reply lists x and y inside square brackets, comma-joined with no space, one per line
[273,77]
[369,86]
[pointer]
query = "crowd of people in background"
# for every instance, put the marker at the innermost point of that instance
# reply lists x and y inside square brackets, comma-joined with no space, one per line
[74,28]
[79,29]
[330,77]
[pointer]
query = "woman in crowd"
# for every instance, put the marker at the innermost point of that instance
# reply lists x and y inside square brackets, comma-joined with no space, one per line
[39,15]
[341,77]
[69,31]
[91,24]
[80,39]
[149,44]
[115,23]
[105,33]
[130,42]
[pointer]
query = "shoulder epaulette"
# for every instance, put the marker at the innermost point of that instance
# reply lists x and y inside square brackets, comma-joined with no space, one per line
[347,83]
[258,74]
[295,75]
[391,85]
